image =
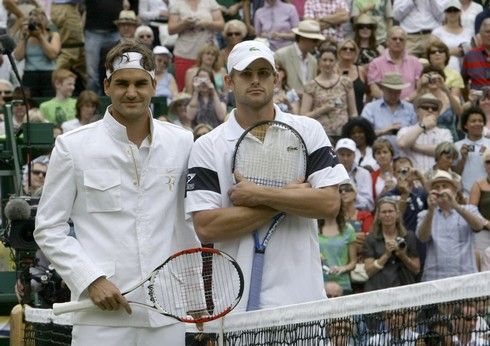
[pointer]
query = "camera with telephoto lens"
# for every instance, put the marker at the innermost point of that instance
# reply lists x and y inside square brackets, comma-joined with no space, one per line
[400,242]
[32,25]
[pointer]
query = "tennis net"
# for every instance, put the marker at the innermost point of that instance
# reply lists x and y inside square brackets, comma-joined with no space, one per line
[453,311]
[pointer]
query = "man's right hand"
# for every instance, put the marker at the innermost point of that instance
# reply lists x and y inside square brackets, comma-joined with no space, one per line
[107,296]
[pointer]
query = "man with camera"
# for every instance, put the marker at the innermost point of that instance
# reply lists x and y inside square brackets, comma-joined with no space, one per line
[447,228]
[412,196]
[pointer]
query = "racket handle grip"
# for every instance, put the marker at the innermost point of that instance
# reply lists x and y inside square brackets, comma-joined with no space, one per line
[63,308]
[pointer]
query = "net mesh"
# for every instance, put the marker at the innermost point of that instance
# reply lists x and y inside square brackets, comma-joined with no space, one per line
[453,311]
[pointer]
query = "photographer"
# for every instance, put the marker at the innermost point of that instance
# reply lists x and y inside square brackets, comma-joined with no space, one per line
[447,228]
[205,106]
[39,45]
[390,253]
[409,189]
[470,164]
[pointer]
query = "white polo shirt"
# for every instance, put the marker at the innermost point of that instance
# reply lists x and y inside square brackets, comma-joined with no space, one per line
[292,269]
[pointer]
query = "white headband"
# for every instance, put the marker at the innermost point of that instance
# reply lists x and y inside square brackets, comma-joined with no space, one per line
[129,60]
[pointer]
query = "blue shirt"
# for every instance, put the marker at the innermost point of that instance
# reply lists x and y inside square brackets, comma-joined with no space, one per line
[380,115]
[451,245]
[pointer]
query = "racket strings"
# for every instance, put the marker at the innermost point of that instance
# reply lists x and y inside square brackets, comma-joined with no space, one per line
[276,160]
[196,284]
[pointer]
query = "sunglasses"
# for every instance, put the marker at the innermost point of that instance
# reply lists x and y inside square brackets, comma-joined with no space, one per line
[346,188]
[37,172]
[348,49]
[440,51]
[229,34]
[5,92]
[145,36]
[430,108]
[364,26]
[452,10]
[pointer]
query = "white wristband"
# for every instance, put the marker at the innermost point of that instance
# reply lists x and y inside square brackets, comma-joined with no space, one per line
[377,265]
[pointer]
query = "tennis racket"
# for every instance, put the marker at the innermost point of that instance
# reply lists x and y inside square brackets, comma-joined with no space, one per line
[194,285]
[273,154]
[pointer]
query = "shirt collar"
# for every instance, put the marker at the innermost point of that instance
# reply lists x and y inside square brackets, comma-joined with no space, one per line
[383,103]
[233,130]
[118,131]
[389,58]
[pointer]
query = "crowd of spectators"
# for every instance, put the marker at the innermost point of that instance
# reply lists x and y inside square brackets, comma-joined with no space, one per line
[402,88]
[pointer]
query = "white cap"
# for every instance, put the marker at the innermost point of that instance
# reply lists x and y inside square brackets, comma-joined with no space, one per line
[161,50]
[246,52]
[346,143]
[452,3]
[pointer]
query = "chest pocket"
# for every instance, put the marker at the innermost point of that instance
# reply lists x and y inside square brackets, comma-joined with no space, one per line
[102,189]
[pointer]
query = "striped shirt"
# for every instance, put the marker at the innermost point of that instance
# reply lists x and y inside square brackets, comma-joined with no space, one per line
[476,68]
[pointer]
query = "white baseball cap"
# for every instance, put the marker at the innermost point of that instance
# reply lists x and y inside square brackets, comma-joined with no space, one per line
[246,52]
[346,143]
[161,50]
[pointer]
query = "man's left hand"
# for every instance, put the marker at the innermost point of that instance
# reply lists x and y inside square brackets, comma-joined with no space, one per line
[244,193]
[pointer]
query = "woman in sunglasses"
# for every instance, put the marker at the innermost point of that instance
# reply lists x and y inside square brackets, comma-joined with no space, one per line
[437,53]
[480,197]
[365,38]
[235,32]
[390,251]
[39,167]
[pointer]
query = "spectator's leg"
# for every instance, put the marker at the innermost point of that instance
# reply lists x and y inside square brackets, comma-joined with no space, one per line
[93,42]
[69,22]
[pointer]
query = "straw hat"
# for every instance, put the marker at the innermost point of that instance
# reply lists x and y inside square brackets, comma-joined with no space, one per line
[127,17]
[394,81]
[364,19]
[441,175]
[309,28]
[427,99]
[179,98]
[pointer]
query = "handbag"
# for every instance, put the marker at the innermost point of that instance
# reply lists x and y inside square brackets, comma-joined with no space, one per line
[359,275]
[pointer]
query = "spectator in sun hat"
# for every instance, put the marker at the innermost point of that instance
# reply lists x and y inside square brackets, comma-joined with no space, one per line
[365,37]
[346,152]
[447,228]
[418,142]
[166,84]
[298,58]
[177,110]
[390,113]
[126,26]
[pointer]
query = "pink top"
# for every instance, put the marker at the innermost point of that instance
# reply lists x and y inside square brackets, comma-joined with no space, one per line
[410,70]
